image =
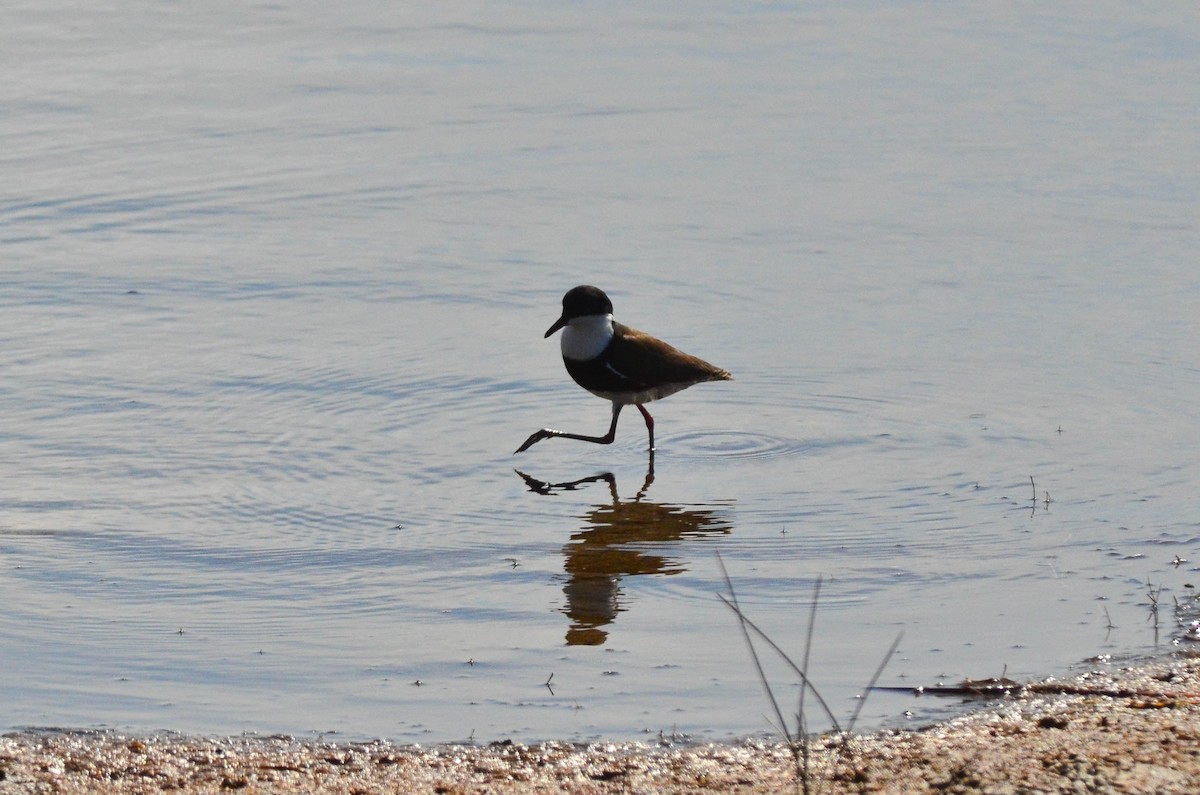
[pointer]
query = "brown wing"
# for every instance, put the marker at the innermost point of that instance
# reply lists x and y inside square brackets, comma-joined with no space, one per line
[649,362]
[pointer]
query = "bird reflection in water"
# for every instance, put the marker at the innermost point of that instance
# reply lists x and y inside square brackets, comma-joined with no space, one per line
[615,542]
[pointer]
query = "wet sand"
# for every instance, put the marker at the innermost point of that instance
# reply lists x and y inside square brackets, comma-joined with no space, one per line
[1128,730]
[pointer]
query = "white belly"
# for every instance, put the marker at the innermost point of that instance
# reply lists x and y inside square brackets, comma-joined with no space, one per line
[645,396]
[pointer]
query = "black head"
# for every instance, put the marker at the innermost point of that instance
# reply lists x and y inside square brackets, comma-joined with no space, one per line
[582,301]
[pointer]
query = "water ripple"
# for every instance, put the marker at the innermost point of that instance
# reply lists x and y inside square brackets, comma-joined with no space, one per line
[734,445]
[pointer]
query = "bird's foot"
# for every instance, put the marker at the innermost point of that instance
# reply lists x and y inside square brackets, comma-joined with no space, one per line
[537,436]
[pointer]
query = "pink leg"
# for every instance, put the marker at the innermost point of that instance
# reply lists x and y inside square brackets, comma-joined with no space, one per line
[546,433]
[649,424]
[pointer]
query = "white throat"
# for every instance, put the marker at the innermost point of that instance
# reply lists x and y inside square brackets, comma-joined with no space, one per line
[586,337]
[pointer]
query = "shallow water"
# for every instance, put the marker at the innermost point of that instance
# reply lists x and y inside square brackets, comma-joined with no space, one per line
[272,297]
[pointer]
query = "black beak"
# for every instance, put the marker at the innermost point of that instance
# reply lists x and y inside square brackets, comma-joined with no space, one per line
[562,321]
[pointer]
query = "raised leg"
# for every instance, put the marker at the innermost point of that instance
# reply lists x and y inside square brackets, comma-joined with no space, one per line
[546,433]
[649,424]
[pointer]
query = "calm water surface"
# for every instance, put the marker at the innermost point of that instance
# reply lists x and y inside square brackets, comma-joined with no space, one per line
[272,296]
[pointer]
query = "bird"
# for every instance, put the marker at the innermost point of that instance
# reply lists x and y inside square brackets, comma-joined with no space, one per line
[618,363]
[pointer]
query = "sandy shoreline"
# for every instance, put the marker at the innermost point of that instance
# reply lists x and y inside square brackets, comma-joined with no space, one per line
[1134,730]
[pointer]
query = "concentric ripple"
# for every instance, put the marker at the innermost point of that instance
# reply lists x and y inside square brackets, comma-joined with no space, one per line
[733,444]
